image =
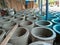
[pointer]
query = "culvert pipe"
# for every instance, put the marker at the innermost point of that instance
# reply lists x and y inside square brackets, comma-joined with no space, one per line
[20,37]
[44,23]
[43,34]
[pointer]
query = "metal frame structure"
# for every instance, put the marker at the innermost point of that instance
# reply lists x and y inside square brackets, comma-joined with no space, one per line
[46,9]
[40,2]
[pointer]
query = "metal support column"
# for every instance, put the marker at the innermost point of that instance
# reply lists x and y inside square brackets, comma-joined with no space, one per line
[46,9]
[41,6]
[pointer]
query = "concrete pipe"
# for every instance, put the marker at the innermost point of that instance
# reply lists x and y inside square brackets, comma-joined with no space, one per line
[18,20]
[1,20]
[20,37]
[8,25]
[56,21]
[2,34]
[20,15]
[40,43]
[27,24]
[6,20]
[8,17]
[57,30]
[44,23]
[1,24]
[43,34]
[33,19]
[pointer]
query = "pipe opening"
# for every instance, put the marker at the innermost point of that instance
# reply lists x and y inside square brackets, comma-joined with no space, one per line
[20,19]
[57,20]
[27,23]
[44,23]
[22,15]
[42,32]
[7,20]
[33,18]
[21,32]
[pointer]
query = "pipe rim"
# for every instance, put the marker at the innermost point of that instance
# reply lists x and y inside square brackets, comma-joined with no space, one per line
[50,38]
[53,20]
[45,25]
[3,33]
[26,34]
[30,18]
[40,42]
[25,22]
[54,27]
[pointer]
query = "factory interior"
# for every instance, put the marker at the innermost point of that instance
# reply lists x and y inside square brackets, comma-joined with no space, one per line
[29,22]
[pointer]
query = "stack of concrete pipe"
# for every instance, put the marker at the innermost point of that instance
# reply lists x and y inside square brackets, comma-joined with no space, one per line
[42,33]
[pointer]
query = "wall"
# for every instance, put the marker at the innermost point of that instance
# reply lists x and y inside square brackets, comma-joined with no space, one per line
[16,4]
